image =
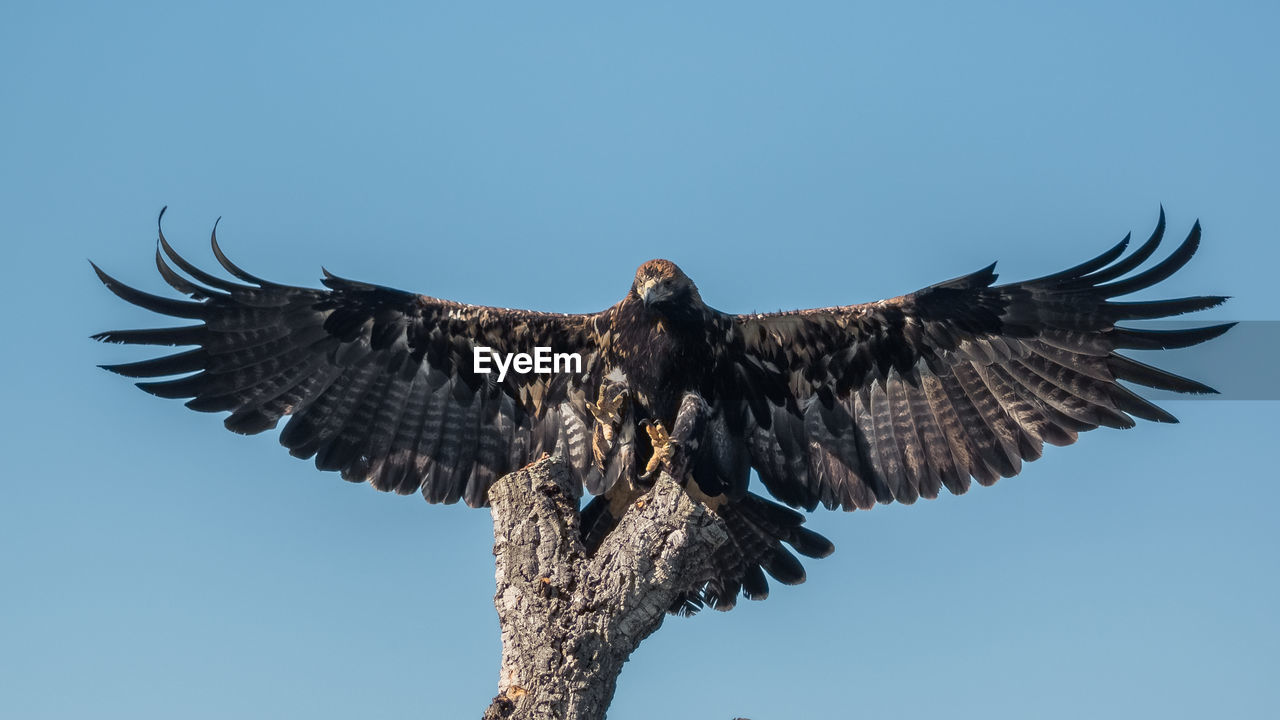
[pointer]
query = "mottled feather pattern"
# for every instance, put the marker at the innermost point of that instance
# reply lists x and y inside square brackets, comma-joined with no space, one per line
[378,381]
[969,379]
[840,407]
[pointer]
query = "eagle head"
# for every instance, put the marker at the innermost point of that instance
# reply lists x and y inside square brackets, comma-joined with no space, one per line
[664,288]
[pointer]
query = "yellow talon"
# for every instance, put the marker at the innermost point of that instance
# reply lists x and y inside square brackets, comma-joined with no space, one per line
[658,435]
[605,409]
[662,449]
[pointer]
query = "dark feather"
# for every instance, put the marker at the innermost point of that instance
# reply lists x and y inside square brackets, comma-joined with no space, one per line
[183,362]
[1158,272]
[1133,339]
[147,301]
[844,406]
[1136,258]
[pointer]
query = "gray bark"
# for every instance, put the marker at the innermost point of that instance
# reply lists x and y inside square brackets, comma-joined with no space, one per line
[570,621]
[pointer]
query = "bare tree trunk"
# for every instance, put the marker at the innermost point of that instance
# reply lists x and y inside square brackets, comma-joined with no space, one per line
[570,621]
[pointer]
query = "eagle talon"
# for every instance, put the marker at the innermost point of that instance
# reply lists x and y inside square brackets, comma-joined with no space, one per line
[663,447]
[606,410]
[658,435]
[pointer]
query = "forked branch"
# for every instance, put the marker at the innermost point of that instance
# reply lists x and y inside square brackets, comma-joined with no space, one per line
[570,621]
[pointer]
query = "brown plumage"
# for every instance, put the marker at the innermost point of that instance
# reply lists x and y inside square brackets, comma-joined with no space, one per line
[842,407]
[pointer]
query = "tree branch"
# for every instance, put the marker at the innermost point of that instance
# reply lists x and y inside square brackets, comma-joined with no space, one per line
[570,621]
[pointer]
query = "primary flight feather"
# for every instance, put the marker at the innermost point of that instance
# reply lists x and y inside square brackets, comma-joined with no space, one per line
[842,407]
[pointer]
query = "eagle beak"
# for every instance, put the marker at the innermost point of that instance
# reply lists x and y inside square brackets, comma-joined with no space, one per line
[645,291]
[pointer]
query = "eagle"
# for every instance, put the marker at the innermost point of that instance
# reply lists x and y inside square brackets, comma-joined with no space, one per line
[838,407]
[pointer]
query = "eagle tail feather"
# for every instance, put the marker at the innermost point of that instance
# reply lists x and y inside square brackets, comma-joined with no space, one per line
[758,529]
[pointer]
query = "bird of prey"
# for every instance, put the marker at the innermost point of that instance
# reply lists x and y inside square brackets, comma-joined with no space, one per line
[840,407]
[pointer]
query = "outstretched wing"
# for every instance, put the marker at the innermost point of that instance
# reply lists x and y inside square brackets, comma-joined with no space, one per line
[380,383]
[893,400]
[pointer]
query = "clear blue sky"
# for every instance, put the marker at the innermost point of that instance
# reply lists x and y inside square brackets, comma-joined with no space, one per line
[156,566]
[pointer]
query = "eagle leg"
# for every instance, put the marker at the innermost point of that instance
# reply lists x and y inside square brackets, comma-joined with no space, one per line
[607,408]
[676,451]
[663,448]
[610,411]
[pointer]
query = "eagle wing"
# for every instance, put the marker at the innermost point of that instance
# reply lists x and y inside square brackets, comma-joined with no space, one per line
[893,400]
[379,382]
